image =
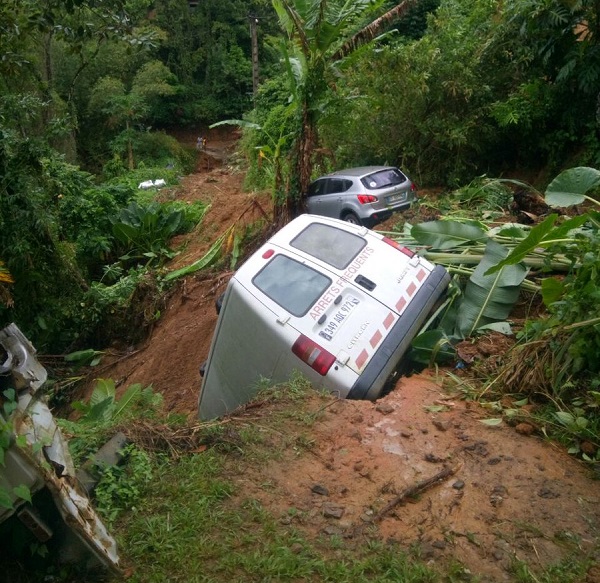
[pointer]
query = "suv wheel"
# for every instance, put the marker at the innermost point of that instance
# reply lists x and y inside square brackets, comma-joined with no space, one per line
[350,217]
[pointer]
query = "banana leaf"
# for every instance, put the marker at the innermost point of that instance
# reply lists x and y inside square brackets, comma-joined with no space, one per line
[570,186]
[541,235]
[489,298]
[432,346]
[207,259]
[447,234]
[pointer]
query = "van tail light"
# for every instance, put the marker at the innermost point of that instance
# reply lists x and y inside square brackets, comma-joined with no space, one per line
[413,187]
[312,354]
[400,248]
[366,198]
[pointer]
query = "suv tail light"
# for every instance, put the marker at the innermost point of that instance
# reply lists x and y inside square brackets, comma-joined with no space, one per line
[366,198]
[312,354]
[400,248]
[413,187]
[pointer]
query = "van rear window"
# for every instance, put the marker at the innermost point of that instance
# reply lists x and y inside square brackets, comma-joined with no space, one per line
[293,285]
[329,244]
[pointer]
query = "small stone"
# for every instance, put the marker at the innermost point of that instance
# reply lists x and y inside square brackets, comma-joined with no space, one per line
[384,408]
[547,493]
[433,459]
[406,434]
[438,544]
[588,448]
[333,511]
[441,425]
[321,490]
[494,461]
[296,548]
[458,485]
[355,434]
[524,428]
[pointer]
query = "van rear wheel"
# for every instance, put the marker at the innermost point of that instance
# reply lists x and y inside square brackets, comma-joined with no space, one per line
[350,217]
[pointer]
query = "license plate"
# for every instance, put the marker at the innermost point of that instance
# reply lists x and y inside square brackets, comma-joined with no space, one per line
[395,198]
[338,318]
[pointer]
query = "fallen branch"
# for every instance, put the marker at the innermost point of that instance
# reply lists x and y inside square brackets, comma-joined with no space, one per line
[409,492]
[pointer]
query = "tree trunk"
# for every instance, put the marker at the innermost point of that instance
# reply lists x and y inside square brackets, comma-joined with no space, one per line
[129,148]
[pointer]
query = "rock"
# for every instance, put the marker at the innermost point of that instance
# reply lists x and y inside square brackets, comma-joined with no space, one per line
[321,490]
[588,448]
[546,492]
[384,408]
[524,428]
[433,459]
[355,434]
[331,510]
[441,425]
[438,544]
[458,485]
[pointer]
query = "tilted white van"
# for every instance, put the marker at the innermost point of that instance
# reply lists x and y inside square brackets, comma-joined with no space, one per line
[335,301]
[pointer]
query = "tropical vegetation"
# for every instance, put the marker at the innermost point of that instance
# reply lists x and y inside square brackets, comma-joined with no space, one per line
[477,98]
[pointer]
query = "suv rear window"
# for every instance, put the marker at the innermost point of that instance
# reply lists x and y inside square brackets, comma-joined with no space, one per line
[293,285]
[383,178]
[333,246]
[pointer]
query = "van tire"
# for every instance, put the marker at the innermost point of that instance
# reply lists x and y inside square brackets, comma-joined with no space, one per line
[350,217]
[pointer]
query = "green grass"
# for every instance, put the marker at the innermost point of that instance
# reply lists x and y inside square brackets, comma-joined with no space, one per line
[201,518]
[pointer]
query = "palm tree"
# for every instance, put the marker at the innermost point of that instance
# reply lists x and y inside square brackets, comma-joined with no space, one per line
[320,33]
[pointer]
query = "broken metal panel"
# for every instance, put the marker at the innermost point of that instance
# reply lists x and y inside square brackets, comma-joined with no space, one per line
[45,462]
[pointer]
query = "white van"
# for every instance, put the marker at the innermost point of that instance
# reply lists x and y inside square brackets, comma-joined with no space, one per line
[333,300]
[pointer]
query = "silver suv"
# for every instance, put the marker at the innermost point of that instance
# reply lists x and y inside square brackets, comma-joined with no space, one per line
[363,196]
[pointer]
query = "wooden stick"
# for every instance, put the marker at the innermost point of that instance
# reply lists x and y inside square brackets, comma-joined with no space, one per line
[413,490]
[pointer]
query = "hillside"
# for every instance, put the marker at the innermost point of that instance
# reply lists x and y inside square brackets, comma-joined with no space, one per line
[499,494]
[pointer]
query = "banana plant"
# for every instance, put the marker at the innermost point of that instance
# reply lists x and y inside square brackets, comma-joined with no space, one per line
[503,264]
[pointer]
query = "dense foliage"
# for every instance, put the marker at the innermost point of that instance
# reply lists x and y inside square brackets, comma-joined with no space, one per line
[446,89]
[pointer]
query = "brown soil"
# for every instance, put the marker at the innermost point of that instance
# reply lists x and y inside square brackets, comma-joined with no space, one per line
[511,494]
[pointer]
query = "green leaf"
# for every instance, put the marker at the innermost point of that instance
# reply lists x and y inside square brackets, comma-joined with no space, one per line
[447,234]
[489,298]
[5,499]
[23,492]
[104,389]
[565,418]
[570,186]
[435,408]
[552,290]
[432,346]
[491,422]
[132,394]
[500,327]
[206,260]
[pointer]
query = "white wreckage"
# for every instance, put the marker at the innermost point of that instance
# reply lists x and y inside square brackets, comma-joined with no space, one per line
[37,458]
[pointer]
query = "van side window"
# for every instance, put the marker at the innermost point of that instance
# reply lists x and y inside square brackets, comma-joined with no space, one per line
[293,285]
[329,244]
